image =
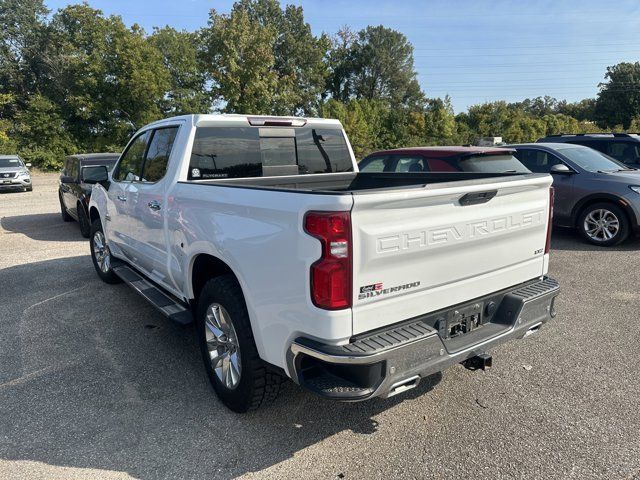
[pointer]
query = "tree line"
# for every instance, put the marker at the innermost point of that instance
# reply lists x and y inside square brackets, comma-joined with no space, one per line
[76,80]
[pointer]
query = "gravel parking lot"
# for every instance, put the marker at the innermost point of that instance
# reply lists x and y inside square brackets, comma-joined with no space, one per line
[94,383]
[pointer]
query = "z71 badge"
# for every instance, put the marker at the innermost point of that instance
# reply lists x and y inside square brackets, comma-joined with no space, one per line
[376,289]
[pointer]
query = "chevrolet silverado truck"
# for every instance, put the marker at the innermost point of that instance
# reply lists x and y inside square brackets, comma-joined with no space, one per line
[293,264]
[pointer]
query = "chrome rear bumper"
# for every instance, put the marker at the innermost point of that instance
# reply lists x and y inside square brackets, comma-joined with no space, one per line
[389,361]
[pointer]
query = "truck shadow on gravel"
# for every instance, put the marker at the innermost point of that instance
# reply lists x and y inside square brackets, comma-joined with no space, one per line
[43,227]
[91,377]
[569,239]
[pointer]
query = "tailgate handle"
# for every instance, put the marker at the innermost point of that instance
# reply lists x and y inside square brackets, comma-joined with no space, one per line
[477,198]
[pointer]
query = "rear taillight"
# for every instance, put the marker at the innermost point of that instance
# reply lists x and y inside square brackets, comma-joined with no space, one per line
[547,246]
[331,274]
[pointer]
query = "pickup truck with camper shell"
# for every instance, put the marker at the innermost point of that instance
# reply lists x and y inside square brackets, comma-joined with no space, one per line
[294,264]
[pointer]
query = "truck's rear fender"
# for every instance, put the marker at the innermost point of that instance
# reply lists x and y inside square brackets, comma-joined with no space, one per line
[258,235]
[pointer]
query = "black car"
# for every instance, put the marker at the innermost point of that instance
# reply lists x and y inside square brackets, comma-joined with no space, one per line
[624,147]
[73,192]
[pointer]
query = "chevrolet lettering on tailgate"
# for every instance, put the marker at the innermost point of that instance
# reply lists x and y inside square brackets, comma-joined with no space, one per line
[417,239]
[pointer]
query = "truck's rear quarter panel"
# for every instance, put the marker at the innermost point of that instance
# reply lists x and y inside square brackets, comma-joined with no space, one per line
[420,250]
[259,234]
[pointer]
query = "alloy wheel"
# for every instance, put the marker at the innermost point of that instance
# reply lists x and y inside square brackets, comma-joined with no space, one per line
[601,225]
[101,252]
[223,345]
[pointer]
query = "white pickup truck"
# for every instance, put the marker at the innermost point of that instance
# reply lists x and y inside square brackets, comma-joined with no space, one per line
[294,264]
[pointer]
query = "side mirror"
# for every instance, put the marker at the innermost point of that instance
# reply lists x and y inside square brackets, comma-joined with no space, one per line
[561,168]
[68,179]
[94,174]
[28,165]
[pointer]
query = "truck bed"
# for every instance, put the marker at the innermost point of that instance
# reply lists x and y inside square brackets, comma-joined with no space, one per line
[355,182]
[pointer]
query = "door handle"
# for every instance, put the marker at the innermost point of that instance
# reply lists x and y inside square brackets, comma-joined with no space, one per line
[121,198]
[154,205]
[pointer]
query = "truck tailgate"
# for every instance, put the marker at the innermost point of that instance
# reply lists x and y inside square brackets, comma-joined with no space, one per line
[420,250]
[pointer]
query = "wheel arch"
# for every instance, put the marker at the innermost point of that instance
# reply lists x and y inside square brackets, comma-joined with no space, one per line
[203,267]
[604,198]
[93,214]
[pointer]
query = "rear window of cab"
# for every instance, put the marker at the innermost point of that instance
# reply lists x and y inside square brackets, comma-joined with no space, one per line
[234,152]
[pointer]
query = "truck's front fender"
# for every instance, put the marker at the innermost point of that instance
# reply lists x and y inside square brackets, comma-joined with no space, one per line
[98,205]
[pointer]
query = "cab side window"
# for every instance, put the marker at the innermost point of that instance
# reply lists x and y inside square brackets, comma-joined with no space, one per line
[537,161]
[157,158]
[129,168]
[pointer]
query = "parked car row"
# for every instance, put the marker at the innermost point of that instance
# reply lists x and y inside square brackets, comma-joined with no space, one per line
[595,177]
[595,193]
[385,281]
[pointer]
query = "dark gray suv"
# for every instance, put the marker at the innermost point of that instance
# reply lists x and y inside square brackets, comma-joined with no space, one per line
[624,147]
[593,192]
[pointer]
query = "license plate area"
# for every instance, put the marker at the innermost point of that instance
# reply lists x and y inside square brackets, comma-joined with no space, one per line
[461,321]
[6,181]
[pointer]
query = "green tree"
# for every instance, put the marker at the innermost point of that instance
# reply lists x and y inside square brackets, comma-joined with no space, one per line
[440,122]
[43,136]
[263,59]
[584,110]
[510,122]
[110,80]
[619,97]
[299,56]
[340,59]
[187,91]
[8,143]
[376,64]
[22,47]
[361,127]
[538,107]
[240,59]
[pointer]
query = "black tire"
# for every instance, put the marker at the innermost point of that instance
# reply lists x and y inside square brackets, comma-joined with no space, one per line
[108,275]
[83,220]
[63,210]
[592,212]
[258,384]
[30,188]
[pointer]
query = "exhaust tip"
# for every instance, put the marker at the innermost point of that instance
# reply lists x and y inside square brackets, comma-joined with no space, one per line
[532,330]
[404,385]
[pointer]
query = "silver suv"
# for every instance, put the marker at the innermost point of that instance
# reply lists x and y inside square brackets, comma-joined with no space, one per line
[593,192]
[14,174]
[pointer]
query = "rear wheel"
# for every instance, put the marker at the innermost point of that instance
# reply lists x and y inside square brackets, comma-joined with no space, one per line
[239,377]
[101,255]
[63,210]
[603,224]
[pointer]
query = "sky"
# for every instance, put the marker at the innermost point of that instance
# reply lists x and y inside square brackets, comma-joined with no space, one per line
[473,51]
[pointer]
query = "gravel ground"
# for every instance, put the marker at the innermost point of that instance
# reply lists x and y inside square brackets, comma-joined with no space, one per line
[94,383]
